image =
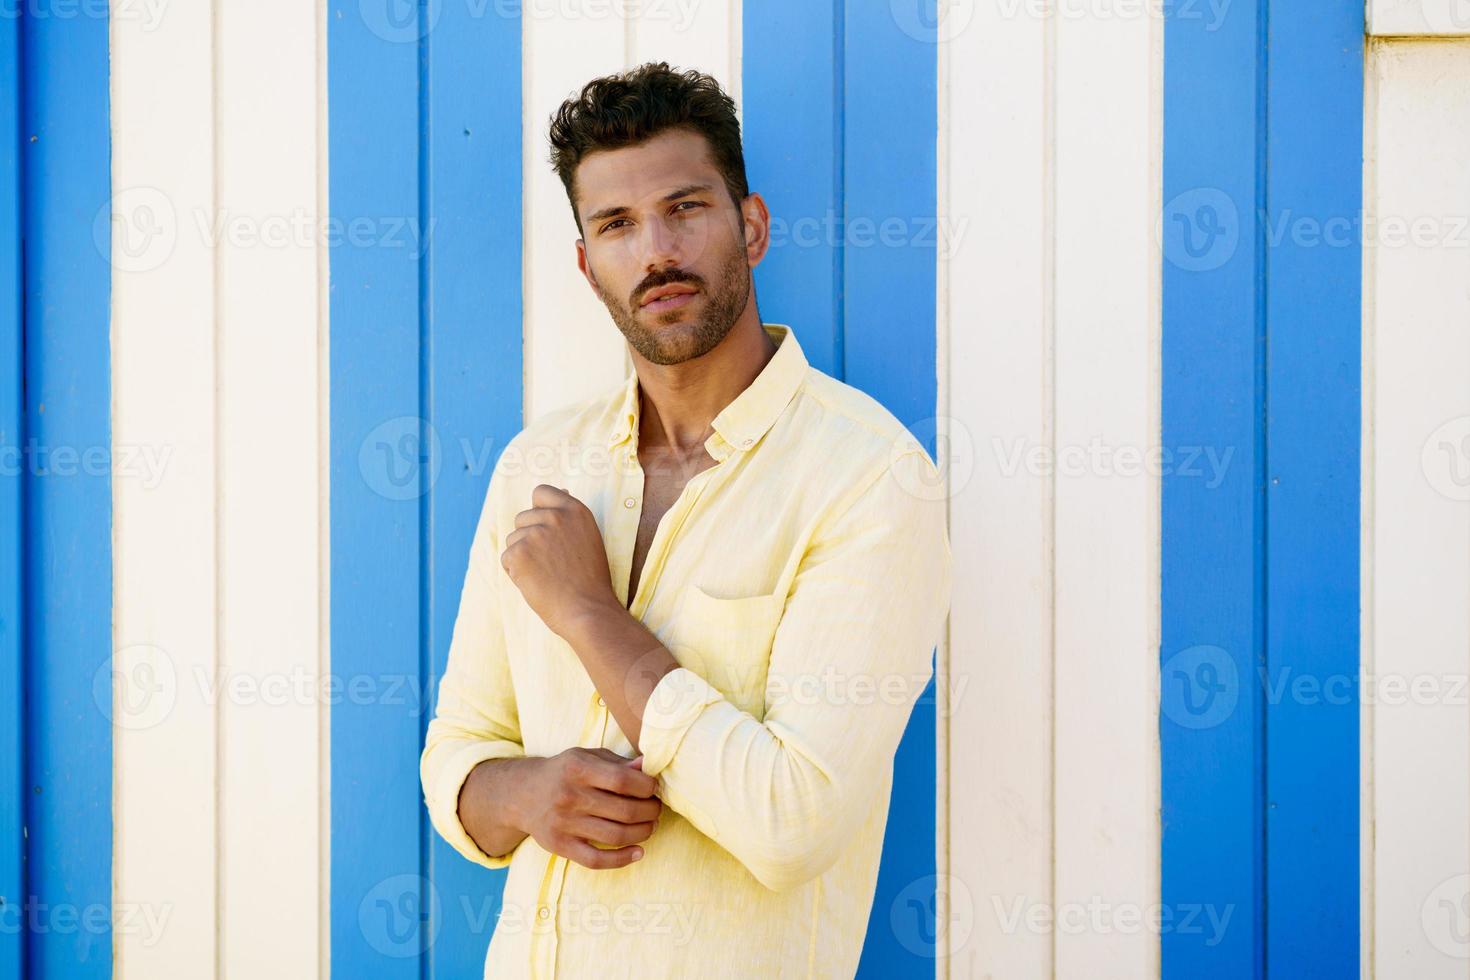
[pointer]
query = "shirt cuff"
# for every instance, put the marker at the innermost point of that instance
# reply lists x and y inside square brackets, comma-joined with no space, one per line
[443,801]
[676,701]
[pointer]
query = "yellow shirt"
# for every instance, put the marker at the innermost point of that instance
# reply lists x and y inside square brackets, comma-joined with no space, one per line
[801,582]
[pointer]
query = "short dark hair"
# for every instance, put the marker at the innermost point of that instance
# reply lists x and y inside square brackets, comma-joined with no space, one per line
[629,108]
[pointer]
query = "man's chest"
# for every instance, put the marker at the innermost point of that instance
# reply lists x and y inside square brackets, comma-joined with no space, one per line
[664,482]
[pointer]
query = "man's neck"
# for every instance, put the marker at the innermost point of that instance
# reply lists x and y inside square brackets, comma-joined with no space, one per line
[679,401]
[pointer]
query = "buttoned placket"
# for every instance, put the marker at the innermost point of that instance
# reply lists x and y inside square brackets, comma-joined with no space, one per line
[621,532]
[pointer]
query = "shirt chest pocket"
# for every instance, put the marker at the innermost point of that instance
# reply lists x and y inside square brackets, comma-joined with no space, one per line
[727,641]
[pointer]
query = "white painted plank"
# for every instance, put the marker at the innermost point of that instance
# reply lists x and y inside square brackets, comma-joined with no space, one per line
[1419,531]
[705,36]
[270,487]
[1440,18]
[996,211]
[1108,162]
[572,348]
[163,364]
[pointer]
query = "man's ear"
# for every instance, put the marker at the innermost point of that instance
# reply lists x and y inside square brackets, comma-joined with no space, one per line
[584,265]
[756,226]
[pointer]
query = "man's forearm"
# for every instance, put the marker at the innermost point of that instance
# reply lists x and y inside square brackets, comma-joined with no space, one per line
[624,660]
[489,807]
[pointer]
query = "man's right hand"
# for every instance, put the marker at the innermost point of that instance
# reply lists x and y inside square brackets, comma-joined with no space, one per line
[572,802]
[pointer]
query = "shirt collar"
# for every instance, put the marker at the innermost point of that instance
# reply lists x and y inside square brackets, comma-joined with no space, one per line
[742,423]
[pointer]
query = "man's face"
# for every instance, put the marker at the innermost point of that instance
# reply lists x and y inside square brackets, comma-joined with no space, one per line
[657,217]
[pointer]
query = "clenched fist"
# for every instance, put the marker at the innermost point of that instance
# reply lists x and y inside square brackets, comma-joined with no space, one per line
[556,557]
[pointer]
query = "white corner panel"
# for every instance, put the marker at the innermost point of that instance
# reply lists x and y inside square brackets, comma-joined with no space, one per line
[1436,18]
[1416,511]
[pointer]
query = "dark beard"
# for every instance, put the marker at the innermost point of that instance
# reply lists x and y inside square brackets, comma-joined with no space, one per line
[692,338]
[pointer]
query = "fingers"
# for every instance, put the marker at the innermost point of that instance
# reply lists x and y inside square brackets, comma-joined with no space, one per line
[534,516]
[597,858]
[617,777]
[609,833]
[620,808]
[546,495]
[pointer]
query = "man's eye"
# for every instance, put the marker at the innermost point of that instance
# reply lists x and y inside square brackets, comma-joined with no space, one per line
[614,224]
[697,204]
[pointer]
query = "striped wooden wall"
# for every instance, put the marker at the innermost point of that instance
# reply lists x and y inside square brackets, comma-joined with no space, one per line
[302,423]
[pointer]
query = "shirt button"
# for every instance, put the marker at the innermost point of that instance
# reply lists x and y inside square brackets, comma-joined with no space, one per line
[601,703]
[543,912]
[745,443]
[630,502]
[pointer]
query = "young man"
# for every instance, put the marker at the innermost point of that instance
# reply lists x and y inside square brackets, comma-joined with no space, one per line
[699,608]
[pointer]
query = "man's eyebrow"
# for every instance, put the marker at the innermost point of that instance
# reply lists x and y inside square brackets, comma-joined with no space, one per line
[672,195]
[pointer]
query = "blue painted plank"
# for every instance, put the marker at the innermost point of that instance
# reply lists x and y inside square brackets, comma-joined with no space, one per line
[791,129]
[426,389]
[377,484]
[68,562]
[1213,536]
[12,676]
[888,256]
[474,364]
[1314,308]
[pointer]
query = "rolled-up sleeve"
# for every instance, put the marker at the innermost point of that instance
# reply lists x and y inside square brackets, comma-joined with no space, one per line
[475,717]
[868,603]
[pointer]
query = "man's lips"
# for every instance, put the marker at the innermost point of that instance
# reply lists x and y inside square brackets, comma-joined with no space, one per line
[671,302]
[668,297]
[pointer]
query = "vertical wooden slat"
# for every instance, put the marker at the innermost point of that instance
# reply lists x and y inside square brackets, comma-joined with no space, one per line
[68,561]
[998,223]
[1417,527]
[1212,591]
[12,520]
[163,371]
[268,486]
[792,129]
[1106,519]
[1314,314]
[377,479]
